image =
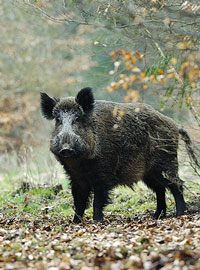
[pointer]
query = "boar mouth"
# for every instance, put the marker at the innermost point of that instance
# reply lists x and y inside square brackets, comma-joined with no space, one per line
[67,152]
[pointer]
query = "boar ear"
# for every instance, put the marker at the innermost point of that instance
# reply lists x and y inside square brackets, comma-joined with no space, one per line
[85,99]
[47,105]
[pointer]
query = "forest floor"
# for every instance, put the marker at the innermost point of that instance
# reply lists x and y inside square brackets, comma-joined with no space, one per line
[36,234]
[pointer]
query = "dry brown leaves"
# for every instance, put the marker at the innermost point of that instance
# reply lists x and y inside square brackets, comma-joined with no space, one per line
[16,119]
[140,243]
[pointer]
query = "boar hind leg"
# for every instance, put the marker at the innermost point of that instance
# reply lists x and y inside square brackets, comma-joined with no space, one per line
[176,188]
[171,181]
[159,189]
[174,184]
[81,195]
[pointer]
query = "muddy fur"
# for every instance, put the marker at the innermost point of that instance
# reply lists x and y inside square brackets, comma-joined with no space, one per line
[104,144]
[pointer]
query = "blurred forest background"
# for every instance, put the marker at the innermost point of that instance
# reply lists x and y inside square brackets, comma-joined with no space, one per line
[127,51]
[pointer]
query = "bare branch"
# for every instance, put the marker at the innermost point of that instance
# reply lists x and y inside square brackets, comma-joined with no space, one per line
[179,79]
[58,20]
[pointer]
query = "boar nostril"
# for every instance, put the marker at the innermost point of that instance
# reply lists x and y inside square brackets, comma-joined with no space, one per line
[66,151]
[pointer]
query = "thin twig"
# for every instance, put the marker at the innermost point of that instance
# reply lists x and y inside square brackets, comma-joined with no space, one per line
[194,112]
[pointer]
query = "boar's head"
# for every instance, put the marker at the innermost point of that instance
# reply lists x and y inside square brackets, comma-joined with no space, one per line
[73,135]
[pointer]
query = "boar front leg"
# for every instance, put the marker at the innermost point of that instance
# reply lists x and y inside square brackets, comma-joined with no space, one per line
[81,195]
[101,199]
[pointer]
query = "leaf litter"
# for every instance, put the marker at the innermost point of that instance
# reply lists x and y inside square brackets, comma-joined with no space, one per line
[50,240]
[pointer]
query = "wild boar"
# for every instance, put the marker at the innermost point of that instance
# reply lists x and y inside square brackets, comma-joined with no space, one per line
[105,144]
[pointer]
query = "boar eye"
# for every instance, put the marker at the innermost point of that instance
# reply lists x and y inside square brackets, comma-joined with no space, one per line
[75,120]
[58,121]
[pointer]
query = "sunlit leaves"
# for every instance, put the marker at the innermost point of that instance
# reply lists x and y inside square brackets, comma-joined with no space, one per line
[166,21]
[190,7]
[132,95]
[96,43]
[172,72]
[104,8]
[129,61]
[133,74]
[174,61]
[39,3]
[184,45]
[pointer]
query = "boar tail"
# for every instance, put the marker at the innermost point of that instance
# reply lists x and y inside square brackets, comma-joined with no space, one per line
[190,150]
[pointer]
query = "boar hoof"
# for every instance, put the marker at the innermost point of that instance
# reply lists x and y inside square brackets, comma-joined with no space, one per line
[159,214]
[181,211]
[76,219]
[98,215]
[100,220]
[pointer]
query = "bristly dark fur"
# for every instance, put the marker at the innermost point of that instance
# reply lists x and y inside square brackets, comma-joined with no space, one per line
[47,105]
[85,99]
[100,150]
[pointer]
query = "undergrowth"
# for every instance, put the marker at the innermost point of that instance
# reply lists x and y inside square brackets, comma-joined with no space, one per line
[36,185]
